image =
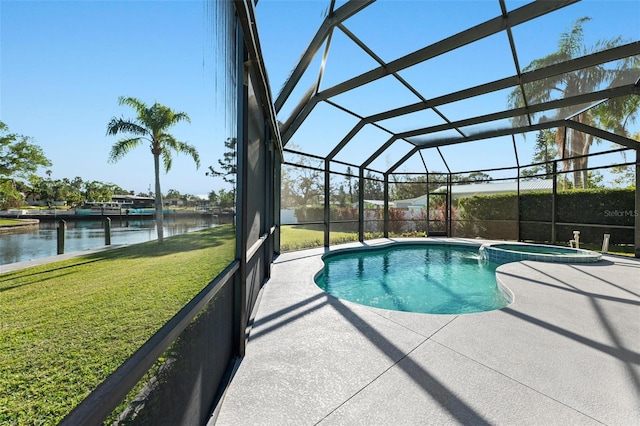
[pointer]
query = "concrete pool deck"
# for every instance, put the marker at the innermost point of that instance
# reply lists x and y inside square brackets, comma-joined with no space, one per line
[566,351]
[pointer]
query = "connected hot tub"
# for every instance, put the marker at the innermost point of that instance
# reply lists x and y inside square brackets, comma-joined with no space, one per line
[514,252]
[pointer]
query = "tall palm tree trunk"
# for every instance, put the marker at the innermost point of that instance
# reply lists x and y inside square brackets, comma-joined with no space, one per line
[159,214]
[585,160]
[577,145]
[561,146]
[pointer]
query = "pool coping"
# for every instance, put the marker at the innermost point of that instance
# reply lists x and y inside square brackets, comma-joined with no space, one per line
[497,254]
[565,351]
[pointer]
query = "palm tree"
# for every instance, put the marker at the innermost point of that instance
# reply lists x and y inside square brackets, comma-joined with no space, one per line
[151,125]
[570,46]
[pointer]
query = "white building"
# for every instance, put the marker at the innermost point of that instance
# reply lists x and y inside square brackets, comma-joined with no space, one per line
[488,188]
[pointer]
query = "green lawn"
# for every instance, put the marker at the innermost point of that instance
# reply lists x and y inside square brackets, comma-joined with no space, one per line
[297,237]
[65,326]
[617,249]
[10,222]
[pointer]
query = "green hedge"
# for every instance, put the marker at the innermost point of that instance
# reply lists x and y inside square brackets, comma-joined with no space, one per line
[485,216]
[535,206]
[496,216]
[488,216]
[316,213]
[601,206]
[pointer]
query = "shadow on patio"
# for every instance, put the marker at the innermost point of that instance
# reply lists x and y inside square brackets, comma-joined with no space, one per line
[573,358]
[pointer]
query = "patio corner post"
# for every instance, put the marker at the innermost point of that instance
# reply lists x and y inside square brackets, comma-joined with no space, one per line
[553,202]
[385,212]
[241,217]
[327,202]
[361,204]
[518,203]
[636,240]
[426,233]
[270,204]
[277,199]
[518,207]
[448,205]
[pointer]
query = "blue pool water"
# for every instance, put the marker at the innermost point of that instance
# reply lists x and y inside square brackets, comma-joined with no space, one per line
[426,278]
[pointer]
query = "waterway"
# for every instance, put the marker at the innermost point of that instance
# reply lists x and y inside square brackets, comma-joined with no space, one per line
[85,234]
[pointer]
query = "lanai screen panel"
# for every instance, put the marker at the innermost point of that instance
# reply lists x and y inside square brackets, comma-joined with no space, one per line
[425,117]
[394,29]
[378,96]
[630,128]
[303,91]
[394,153]
[286,28]
[359,147]
[343,213]
[480,155]
[322,130]
[485,204]
[373,185]
[433,160]
[470,65]
[537,147]
[415,164]
[476,106]
[344,49]
[608,20]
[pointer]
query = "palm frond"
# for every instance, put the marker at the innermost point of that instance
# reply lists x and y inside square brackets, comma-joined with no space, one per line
[571,41]
[181,116]
[135,103]
[161,118]
[119,125]
[166,159]
[122,147]
[181,148]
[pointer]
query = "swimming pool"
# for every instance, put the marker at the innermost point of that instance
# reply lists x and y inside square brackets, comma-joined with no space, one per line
[430,278]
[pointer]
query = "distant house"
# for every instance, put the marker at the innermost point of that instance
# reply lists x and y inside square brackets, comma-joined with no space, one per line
[176,202]
[134,201]
[35,200]
[372,204]
[471,189]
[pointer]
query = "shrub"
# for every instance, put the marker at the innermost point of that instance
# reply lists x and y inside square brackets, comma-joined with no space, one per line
[496,216]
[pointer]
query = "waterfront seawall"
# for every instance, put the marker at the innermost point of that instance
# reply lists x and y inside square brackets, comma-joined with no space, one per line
[24,226]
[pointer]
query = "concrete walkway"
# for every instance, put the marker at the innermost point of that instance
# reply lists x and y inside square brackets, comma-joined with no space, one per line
[565,352]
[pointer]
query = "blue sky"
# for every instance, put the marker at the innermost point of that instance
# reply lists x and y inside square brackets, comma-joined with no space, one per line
[63,65]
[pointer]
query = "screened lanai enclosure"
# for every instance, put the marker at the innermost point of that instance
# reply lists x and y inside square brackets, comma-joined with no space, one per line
[500,120]
[354,120]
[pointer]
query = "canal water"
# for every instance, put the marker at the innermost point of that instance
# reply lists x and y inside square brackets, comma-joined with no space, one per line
[87,234]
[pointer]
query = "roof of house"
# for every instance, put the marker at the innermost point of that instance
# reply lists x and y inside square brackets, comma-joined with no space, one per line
[470,189]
